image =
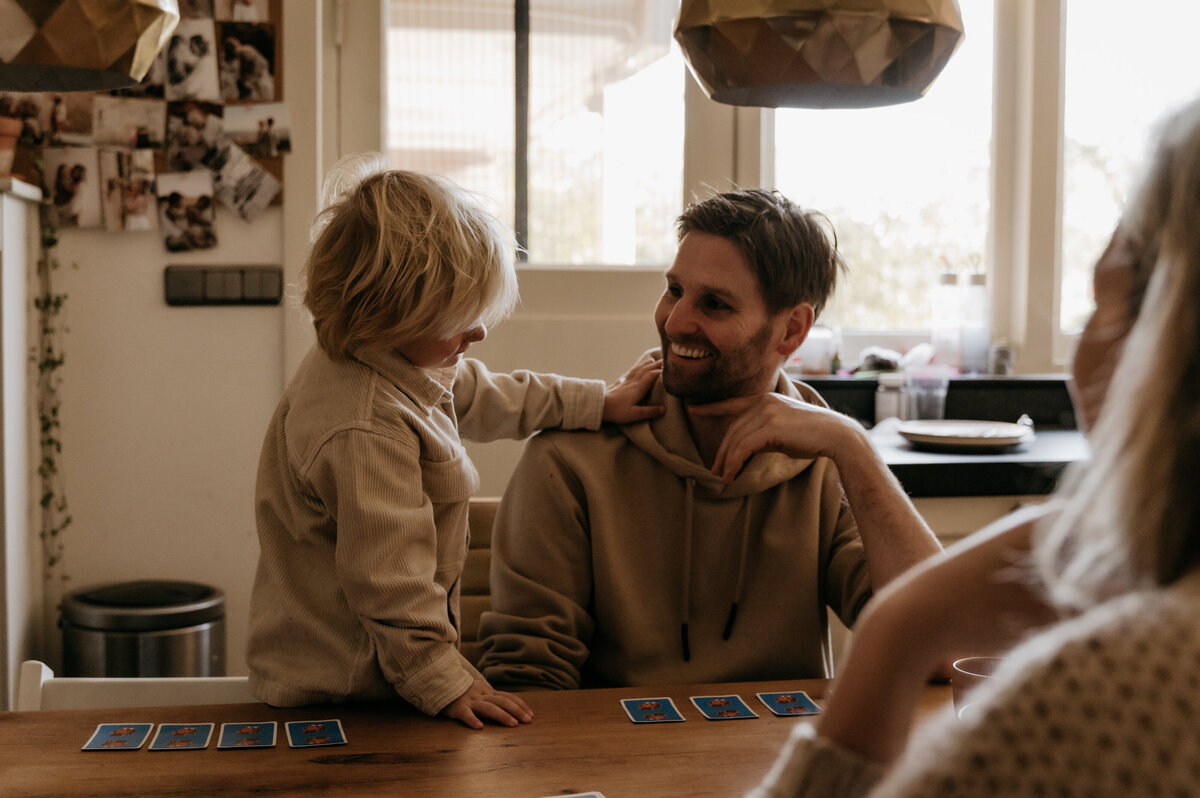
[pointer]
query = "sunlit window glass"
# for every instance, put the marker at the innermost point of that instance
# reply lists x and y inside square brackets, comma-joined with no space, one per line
[579,146]
[1126,67]
[907,187]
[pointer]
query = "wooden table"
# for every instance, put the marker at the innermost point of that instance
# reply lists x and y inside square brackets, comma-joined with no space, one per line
[580,741]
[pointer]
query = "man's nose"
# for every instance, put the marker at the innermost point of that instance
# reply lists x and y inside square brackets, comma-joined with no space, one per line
[680,321]
[476,334]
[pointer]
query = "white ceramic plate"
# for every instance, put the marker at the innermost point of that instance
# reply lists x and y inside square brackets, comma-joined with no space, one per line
[963,435]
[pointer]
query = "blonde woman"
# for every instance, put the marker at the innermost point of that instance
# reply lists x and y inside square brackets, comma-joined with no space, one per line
[1099,589]
[361,499]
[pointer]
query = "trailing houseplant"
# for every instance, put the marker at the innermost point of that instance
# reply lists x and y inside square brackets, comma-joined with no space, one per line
[55,515]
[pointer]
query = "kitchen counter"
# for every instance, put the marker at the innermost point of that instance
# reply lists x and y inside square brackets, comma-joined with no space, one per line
[1033,468]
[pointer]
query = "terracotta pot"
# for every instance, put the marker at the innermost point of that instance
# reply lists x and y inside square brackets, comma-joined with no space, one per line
[10,131]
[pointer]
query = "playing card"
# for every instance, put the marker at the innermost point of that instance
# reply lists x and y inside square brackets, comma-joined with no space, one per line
[791,703]
[723,707]
[307,733]
[253,734]
[118,737]
[181,736]
[651,710]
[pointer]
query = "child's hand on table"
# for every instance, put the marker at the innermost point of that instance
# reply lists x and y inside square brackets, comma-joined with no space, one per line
[481,701]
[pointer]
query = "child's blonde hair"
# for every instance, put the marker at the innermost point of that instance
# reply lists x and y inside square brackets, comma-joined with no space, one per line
[399,254]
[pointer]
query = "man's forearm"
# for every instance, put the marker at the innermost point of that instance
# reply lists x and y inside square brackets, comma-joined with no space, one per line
[894,535]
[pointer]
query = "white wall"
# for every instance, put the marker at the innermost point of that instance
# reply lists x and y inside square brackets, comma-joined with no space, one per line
[163,414]
[164,408]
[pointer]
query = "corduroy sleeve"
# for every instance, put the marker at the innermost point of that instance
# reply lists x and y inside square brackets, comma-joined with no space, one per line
[495,406]
[387,563]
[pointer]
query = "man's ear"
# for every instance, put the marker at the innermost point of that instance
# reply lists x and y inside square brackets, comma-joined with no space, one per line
[797,322]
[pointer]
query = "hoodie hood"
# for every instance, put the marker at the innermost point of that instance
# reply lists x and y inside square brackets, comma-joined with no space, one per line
[668,439]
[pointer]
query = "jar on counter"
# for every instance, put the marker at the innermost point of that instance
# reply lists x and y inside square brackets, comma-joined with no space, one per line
[890,396]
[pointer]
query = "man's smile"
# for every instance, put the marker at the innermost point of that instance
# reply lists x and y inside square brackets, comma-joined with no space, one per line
[689,352]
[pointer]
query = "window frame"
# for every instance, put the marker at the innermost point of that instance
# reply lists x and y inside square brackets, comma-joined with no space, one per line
[736,148]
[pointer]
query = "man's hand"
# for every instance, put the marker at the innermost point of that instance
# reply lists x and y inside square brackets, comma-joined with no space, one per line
[481,701]
[622,398]
[773,423]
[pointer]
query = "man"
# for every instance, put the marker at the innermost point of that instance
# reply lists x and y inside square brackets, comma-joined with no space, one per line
[705,545]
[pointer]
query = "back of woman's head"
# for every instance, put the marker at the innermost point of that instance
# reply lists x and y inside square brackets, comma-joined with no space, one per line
[399,254]
[1132,518]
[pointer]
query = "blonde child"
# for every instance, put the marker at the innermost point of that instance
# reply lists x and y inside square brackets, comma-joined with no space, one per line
[361,499]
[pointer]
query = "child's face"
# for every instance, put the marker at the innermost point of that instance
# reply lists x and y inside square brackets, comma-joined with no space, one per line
[430,351]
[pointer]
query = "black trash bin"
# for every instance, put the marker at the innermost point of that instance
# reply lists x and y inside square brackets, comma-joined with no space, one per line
[144,628]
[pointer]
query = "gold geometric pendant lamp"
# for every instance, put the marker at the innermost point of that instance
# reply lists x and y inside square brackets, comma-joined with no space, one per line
[817,53]
[81,45]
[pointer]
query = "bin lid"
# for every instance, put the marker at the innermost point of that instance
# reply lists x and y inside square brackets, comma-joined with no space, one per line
[143,605]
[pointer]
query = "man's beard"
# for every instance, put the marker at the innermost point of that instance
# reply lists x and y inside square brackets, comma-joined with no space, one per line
[720,376]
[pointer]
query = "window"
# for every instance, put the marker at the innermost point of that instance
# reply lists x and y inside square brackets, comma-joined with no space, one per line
[567,115]
[906,186]
[1016,162]
[1110,111]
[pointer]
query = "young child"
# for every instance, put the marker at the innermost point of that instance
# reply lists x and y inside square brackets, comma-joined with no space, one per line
[361,499]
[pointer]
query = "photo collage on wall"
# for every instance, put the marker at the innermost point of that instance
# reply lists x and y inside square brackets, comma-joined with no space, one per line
[206,126]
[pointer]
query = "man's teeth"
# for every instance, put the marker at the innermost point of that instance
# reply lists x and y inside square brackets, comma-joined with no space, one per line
[686,351]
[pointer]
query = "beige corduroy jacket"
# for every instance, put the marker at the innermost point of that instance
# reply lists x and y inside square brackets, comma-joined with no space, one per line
[361,506]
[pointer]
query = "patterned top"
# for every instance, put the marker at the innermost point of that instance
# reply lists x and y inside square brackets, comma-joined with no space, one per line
[1106,704]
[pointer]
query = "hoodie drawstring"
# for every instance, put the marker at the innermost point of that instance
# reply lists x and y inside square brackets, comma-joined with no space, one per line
[689,490]
[739,586]
[741,573]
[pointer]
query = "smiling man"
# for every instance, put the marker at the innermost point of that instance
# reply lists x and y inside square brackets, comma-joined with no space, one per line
[705,545]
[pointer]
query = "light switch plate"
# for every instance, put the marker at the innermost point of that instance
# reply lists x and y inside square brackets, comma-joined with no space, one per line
[223,285]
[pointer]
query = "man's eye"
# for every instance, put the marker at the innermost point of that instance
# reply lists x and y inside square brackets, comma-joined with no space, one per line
[675,291]
[712,303]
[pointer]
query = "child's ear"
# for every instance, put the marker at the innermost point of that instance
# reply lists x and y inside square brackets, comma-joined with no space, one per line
[797,322]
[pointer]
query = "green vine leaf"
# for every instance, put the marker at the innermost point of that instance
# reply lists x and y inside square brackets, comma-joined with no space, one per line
[49,359]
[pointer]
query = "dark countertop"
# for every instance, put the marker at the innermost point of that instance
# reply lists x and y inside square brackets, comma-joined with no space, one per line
[1033,468]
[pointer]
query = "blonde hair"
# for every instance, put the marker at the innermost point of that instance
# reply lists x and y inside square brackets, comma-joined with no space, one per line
[1131,517]
[398,254]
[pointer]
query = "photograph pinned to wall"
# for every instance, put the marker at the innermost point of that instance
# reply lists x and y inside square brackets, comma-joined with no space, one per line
[248,62]
[193,130]
[192,62]
[72,181]
[186,211]
[152,85]
[34,112]
[128,180]
[262,129]
[129,122]
[239,182]
[195,9]
[242,10]
[71,117]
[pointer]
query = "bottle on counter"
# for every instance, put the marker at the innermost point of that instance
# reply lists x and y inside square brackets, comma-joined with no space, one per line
[975,326]
[946,321]
[890,396]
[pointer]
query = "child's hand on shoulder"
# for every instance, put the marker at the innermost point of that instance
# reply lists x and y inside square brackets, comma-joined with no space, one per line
[622,398]
[481,701]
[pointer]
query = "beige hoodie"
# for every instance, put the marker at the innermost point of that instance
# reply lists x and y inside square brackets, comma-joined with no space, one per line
[619,559]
